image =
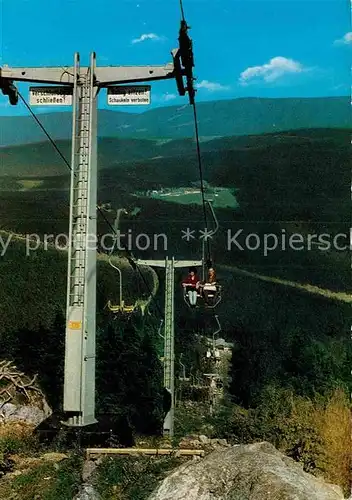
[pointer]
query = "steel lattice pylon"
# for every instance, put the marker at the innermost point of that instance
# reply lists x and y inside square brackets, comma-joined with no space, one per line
[169,332]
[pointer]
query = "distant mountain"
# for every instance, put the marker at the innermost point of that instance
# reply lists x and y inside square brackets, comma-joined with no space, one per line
[296,176]
[245,116]
[41,159]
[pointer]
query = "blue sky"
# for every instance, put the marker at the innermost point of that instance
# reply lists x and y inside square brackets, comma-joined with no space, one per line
[242,48]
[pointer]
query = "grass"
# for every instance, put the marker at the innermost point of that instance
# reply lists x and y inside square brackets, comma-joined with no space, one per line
[28,184]
[49,481]
[132,478]
[223,198]
[36,477]
[192,418]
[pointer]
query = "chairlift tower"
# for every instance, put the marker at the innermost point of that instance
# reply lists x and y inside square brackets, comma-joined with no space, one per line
[169,329]
[79,86]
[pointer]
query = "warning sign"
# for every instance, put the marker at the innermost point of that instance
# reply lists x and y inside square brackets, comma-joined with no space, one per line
[129,95]
[50,96]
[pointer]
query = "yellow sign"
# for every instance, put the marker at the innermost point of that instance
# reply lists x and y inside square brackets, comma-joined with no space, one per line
[75,325]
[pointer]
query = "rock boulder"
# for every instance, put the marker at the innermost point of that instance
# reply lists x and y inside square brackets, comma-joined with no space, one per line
[244,472]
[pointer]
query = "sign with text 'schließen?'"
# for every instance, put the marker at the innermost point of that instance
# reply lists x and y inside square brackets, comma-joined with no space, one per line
[50,96]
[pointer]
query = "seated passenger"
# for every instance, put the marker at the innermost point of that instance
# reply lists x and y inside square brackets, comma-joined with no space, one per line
[190,285]
[209,287]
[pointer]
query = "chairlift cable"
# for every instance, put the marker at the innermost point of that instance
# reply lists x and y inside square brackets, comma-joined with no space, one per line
[191,92]
[43,129]
[186,49]
[199,157]
[182,11]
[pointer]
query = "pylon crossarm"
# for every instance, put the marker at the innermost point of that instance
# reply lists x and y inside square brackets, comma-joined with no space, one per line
[63,76]
[133,74]
[151,263]
[105,75]
[188,263]
[162,263]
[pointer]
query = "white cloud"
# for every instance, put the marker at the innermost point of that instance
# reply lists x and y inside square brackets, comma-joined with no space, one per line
[211,86]
[345,40]
[271,71]
[341,86]
[147,36]
[168,97]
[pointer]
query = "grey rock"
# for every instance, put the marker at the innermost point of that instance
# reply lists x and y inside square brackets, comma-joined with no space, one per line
[10,412]
[244,472]
[220,442]
[87,492]
[203,439]
[54,457]
[88,469]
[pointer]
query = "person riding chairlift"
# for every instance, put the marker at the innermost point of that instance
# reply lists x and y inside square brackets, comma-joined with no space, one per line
[191,285]
[209,287]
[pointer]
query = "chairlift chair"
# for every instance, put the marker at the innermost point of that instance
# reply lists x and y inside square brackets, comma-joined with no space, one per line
[213,299]
[183,378]
[121,307]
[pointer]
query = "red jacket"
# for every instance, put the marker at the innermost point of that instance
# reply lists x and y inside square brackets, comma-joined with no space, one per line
[190,280]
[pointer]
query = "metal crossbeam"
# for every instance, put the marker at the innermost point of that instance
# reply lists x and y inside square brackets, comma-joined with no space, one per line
[104,75]
[177,263]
